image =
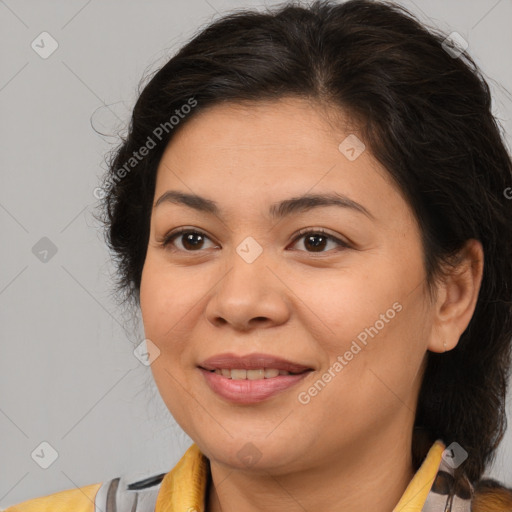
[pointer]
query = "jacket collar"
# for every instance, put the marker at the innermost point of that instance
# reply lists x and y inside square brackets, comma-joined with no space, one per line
[184,487]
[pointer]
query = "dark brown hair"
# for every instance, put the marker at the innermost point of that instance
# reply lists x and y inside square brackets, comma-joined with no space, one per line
[424,113]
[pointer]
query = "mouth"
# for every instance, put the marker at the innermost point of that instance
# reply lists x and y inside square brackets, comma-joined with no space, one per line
[252,366]
[251,378]
[257,374]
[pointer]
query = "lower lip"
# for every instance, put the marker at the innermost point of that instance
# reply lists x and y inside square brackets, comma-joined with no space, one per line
[246,391]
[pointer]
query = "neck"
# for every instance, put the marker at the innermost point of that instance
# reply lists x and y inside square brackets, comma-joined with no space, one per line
[356,479]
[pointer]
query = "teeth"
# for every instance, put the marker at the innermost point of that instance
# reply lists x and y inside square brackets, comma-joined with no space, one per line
[260,373]
[256,374]
[238,374]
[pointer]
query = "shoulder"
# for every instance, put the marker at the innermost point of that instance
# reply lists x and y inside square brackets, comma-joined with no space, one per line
[121,494]
[79,500]
[491,496]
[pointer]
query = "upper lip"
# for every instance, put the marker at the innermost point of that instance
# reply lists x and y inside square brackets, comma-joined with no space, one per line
[251,362]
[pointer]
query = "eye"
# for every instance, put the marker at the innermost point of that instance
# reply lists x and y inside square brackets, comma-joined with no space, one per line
[190,239]
[318,239]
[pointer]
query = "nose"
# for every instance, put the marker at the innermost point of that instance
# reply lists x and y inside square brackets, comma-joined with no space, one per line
[249,295]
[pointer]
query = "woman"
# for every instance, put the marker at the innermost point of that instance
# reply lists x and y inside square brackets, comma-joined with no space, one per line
[311,211]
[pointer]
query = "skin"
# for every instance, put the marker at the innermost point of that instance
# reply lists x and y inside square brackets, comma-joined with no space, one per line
[349,447]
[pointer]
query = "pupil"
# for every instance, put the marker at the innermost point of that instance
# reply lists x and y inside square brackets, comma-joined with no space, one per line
[316,246]
[189,240]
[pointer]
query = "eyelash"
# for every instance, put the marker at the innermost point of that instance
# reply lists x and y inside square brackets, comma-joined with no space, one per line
[168,239]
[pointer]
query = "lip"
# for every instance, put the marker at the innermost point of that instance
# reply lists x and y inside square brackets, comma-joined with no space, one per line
[251,362]
[246,391]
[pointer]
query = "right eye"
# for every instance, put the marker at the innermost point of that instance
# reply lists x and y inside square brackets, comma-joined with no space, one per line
[190,239]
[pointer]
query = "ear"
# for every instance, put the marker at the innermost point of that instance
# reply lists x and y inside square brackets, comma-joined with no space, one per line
[457,294]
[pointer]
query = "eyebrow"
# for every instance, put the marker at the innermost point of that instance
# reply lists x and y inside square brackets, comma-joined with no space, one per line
[277,210]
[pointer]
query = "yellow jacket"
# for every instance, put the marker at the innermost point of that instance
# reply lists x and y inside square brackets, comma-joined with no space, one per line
[183,489]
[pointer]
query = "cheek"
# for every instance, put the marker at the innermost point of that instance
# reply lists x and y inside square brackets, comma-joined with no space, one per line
[164,304]
[345,305]
[167,300]
[152,300]
[376,321]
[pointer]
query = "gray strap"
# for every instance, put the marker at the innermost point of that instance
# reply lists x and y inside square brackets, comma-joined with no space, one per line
[125,494]
[442,496]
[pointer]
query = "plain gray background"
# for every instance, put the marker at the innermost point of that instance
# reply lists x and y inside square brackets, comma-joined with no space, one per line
[68,375]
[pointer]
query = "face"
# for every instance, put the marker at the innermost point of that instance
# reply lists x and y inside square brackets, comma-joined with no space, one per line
[349,304]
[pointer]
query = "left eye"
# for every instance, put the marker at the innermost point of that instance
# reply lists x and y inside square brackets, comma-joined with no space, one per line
[318,240]
[192,240]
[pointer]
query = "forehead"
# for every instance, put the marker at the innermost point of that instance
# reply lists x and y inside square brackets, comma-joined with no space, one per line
[246,156]
[296,138]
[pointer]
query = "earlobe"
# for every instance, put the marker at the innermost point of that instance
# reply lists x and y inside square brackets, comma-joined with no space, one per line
[457,296]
